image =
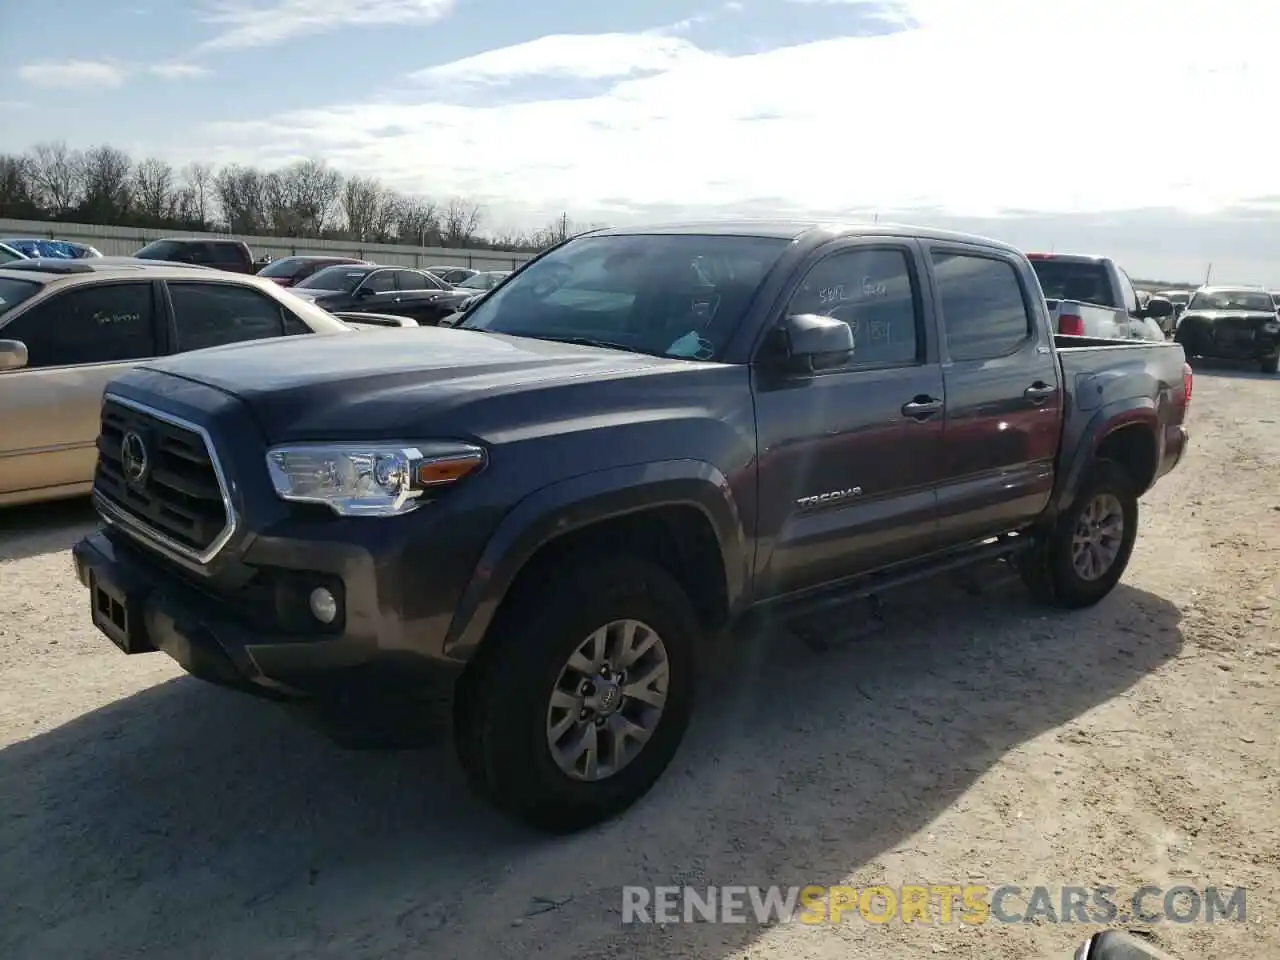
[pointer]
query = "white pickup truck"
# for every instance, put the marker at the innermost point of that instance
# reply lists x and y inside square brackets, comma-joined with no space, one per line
[1093,297]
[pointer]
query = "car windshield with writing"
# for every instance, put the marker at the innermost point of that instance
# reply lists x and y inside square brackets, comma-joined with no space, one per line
[1251,300]
[337,279]
[667,295]
[14,292]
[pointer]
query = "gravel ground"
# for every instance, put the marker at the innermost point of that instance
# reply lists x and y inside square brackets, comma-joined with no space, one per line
[977,739]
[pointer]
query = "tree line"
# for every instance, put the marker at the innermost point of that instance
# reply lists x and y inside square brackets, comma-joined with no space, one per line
[104,185]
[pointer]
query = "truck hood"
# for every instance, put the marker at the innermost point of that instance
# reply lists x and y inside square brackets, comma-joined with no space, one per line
[403,384]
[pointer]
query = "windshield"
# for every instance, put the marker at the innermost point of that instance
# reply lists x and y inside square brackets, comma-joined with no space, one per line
[344,279]
[282,268]
[677,296]
[1083,281]
[159,250]
[1232,300]
[481,281]
[14,292]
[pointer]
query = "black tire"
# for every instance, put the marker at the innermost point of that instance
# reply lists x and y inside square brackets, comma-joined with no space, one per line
[1047,567]
[501,713]
[1271,364]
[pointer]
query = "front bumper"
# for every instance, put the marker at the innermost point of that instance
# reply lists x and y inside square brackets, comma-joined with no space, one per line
[144,605]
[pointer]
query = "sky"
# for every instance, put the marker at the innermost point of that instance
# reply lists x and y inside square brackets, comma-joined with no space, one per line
[1142,130]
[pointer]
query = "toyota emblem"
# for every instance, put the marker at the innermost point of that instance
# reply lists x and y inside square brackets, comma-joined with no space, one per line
[133,458]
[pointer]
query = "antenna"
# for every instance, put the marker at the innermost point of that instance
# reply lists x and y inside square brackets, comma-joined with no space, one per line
[1208,273]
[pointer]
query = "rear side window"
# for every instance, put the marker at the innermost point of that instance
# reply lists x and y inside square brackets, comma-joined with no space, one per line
[227,254]
[983,310]
[89,324]
[214,314]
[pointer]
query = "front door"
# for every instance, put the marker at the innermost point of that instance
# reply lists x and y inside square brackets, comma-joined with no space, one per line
[848,458]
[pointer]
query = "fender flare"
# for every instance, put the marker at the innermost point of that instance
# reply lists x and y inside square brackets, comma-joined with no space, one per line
[554,510]
[1106,421]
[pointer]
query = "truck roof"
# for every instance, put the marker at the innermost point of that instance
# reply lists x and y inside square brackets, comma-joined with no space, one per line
[1069,257]
[795,229]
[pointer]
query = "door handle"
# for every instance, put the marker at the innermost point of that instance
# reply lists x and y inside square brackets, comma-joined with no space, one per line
[922,407]
[1039,392]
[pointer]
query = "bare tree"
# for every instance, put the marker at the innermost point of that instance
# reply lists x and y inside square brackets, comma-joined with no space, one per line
[241,194]
[460,222]
[153,188]
[417,221]
[200,182]
[108,185]
[300,198]
[369,207]
[16,199]
[57,173]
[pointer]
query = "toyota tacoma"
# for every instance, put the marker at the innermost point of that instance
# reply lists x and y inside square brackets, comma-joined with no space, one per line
[545,514]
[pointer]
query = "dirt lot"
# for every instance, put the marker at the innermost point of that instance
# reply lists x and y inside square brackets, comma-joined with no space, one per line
[976,740]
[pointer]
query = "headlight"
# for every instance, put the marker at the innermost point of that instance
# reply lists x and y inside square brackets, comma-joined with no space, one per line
[368,479]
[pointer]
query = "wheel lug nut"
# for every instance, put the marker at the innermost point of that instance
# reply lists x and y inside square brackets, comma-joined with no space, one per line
[599,721]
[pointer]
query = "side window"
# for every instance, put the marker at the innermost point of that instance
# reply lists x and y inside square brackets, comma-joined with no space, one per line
[226,255]
[872,290]
[1128,295]
[380,281]
[91,324]
[983,310]
[201,253]
[213,314]
[412,281]
[293,326]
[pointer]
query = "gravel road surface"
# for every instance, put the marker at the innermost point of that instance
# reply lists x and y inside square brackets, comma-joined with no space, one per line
[978,739]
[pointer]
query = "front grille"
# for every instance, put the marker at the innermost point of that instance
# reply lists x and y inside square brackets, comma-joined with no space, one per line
[177,495]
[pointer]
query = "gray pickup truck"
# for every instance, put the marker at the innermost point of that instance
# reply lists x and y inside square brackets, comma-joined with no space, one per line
[634,441]
[1093,297]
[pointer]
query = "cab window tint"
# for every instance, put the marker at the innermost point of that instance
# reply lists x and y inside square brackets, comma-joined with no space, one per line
[872,290]
[983,309]
[213,314]
[91,324]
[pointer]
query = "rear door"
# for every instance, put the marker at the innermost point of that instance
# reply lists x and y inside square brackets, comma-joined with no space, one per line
[77,340]
[848,458]
[1004,396]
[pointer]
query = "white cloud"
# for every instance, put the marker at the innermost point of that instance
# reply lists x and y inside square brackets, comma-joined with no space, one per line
[246,23]
[74,74]
[570,56]
[179,71]
[986,107]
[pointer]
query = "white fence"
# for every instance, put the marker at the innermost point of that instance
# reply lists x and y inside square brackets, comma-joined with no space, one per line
[124,241]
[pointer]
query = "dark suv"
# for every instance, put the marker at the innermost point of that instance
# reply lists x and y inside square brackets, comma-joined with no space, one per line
[233,255]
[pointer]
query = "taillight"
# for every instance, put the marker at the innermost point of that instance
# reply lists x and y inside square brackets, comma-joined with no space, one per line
[1071,325]
[1187,378]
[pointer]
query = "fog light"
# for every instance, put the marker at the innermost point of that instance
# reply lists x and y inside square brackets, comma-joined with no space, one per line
[324,606]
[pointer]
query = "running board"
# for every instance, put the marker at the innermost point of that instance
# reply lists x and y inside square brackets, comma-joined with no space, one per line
[829,619]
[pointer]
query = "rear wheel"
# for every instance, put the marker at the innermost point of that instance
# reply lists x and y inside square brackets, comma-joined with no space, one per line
[1083,556]
[580,706]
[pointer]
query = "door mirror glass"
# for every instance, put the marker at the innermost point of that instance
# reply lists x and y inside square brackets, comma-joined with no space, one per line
[1158,308]
[13,354]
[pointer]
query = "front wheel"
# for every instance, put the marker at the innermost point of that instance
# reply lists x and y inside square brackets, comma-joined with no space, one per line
[584,699]
[1083,556]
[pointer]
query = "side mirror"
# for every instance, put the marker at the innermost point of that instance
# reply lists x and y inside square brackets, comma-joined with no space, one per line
[1158,308]
[813,342]
[13,354]
[363,292]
